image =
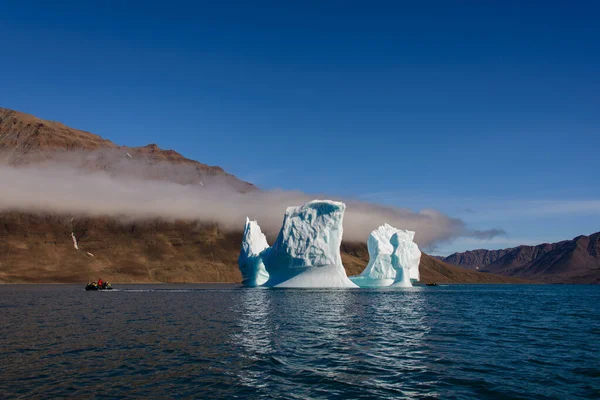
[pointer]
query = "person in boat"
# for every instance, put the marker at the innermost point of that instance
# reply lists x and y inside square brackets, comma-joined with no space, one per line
[99,283]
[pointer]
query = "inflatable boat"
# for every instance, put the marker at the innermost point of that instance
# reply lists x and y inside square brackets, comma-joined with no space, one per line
[95,286]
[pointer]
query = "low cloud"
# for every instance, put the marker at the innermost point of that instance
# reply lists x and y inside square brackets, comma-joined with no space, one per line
[488,233]
[96,185]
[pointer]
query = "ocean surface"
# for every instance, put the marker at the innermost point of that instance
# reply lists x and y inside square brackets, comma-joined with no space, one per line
[223,341]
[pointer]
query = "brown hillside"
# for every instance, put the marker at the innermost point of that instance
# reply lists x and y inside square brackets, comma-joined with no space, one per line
[25,139]
[36,248]
[23,134]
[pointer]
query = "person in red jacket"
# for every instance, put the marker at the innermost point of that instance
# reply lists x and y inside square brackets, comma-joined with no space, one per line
[99,283]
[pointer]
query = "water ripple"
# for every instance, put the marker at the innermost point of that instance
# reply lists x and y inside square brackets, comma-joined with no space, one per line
[220,341]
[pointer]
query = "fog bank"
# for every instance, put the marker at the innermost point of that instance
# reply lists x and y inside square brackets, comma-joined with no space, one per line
[68,189]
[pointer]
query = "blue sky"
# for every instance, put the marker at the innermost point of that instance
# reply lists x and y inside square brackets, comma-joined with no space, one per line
[488,111]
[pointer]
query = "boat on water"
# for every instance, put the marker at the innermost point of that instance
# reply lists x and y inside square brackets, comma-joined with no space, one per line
[431,284]
[96,286]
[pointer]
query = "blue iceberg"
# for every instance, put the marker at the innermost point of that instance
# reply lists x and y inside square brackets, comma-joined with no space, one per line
[393,259]
[306,253]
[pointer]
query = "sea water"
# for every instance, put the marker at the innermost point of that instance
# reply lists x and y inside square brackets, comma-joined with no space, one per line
[224,341]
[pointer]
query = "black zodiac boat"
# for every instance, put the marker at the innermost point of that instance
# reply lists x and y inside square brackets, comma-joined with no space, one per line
[95,286]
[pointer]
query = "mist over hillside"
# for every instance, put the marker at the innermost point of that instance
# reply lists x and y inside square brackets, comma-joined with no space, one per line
[52,168]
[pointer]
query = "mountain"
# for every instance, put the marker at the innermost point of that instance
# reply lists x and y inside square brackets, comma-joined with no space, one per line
[23,133]
[41,247]
[475,258]
[25,139]
[569,261]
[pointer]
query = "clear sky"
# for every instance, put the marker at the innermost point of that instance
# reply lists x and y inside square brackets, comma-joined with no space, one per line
[486,110]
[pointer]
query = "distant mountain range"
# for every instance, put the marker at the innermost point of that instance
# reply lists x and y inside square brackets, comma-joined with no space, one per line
[569,261]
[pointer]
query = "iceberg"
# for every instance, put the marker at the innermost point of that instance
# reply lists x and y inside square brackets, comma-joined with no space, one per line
[393,259]
[405,258]
[306,253]
[379,270]
[250,263]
